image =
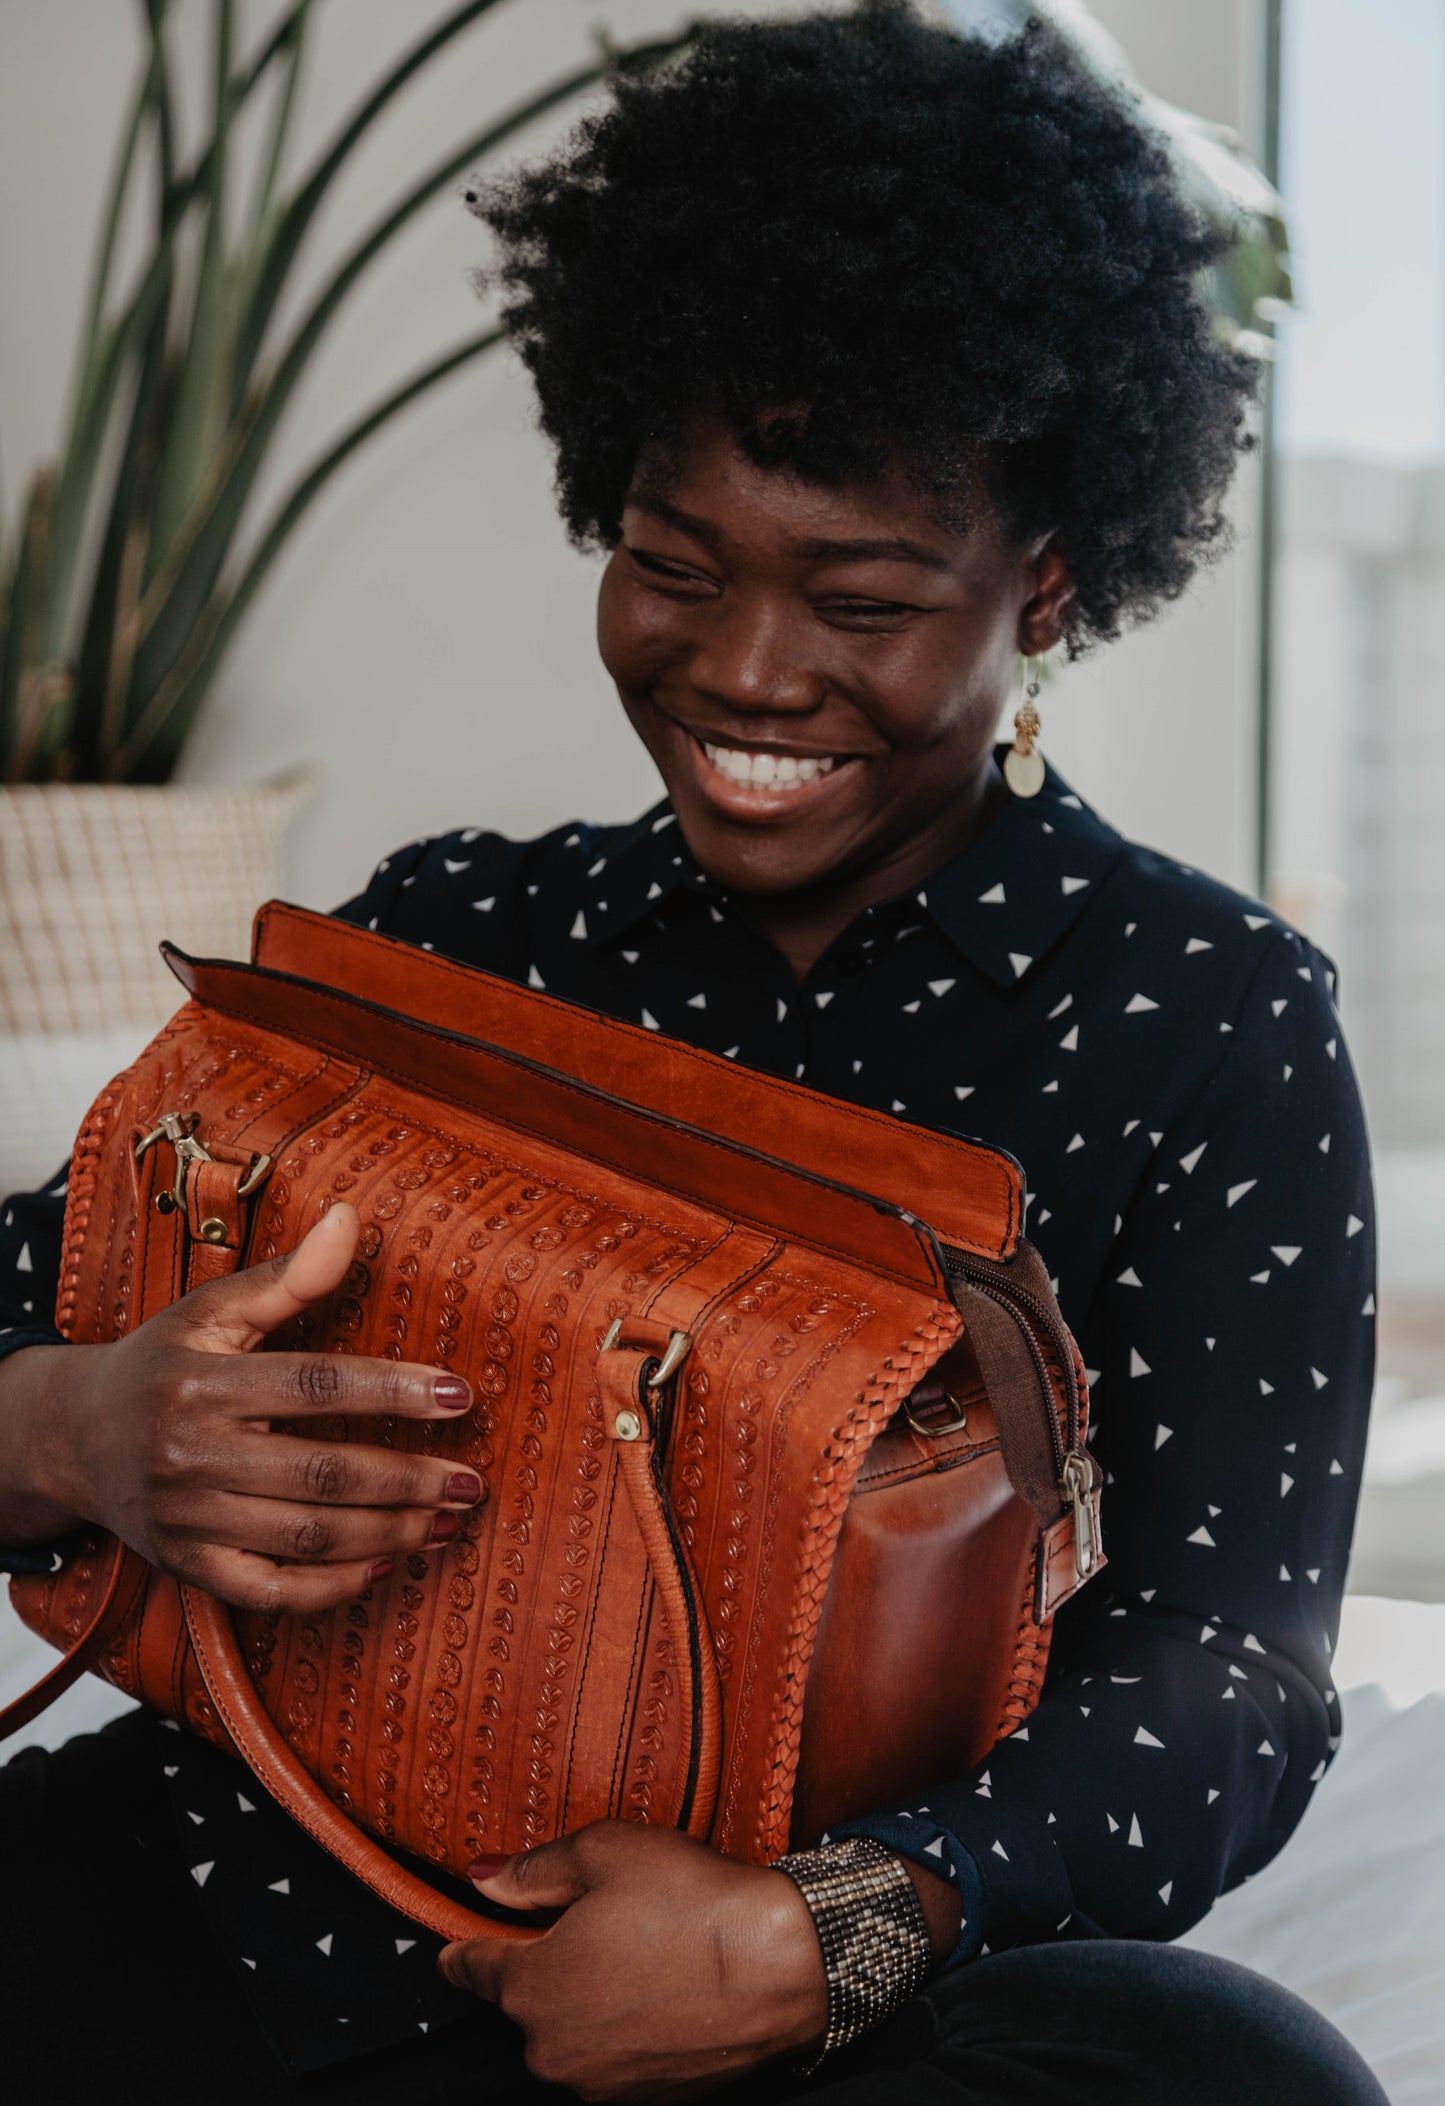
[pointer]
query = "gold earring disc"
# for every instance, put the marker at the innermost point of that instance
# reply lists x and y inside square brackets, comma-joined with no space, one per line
[1023,772]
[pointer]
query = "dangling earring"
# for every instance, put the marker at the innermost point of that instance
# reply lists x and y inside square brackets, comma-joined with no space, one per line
[1023,764]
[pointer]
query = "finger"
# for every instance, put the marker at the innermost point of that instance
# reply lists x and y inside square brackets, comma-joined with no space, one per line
[341,1474]
[233,1315]
[550,1877]
[251,1582]
[479,1965]
[298,1385]
[346,1535]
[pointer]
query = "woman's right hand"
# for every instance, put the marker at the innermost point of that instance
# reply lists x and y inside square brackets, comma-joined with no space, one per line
[165,1437]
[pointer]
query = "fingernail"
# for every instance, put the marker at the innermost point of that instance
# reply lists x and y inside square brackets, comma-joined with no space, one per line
[464,1488]
[380,1570]
[443,1528]
[452,1393]
[487,1867]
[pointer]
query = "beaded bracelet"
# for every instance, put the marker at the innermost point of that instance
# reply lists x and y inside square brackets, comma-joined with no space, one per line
[871,1928]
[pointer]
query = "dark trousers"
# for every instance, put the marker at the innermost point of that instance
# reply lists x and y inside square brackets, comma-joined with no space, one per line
[113,1990]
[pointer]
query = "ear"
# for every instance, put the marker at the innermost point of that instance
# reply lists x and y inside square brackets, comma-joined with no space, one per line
[1050,587]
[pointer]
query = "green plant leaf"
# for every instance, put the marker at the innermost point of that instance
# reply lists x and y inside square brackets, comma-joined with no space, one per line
[120,342]
[155,744]
[144,107]
[103,642]
[197,415]
[292,227]
[36,695]
[155,12]
[289,53]
[20,588]
[79,470]
[167,625]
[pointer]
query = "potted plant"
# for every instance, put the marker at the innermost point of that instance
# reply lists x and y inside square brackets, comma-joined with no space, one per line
[120,584]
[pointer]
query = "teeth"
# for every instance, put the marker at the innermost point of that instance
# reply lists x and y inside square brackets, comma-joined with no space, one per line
[768,771]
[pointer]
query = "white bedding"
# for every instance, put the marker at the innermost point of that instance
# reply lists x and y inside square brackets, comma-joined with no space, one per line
[1351,1915]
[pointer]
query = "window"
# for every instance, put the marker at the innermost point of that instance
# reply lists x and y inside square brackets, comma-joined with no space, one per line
[1356,748]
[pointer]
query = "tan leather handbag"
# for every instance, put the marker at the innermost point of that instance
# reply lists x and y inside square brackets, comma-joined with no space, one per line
[729,1576]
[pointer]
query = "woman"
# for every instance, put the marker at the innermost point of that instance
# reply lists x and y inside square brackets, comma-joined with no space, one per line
[873,358]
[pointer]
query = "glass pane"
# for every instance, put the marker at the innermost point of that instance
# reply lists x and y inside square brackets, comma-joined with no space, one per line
[1357,778]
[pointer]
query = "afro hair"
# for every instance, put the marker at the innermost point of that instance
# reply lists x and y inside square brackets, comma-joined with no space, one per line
[947,254]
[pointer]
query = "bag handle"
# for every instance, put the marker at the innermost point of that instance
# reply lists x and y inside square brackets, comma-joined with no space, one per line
[81,1653]
[251,1727]
[260,1742]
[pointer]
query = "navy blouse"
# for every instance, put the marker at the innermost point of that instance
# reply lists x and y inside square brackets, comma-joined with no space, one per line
[1164,1057]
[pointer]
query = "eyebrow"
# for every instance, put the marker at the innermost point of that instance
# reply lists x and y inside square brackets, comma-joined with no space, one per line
[888,549]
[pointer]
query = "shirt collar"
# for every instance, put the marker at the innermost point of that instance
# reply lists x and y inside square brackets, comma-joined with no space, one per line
[1004,903]
[637,868]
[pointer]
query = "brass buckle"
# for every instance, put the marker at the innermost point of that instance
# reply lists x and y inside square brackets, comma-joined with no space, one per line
[936,1431]
[679,1345]
[179,1128]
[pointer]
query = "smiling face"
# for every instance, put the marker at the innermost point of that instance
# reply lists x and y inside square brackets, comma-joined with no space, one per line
[817,673]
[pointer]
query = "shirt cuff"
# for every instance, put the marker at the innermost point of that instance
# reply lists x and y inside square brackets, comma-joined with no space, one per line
[36,1557]
[924,1841]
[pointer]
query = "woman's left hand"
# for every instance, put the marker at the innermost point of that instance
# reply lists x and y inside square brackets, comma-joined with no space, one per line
[671,1970]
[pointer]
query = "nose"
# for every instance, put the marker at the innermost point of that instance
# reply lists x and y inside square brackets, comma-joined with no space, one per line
[752,659]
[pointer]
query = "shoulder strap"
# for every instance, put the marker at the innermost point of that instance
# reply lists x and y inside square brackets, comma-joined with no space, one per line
[82,1652]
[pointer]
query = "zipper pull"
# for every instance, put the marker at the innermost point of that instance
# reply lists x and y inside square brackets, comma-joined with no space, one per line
[1076,1487]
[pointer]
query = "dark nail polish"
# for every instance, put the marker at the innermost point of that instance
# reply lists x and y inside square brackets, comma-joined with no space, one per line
[452,1393]
[443,1528]
[380,1570]
[486,1867]
[464,1488]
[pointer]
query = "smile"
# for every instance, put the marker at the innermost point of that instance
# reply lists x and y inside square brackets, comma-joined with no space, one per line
[767,771]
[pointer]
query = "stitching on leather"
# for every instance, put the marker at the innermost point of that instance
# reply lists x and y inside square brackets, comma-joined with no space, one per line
[831,1489]
[646,1605]
[725,1826]
[976,1153]
[479,1148]
[583,1096]
[627,1726]
[925,1466]
[584,1677]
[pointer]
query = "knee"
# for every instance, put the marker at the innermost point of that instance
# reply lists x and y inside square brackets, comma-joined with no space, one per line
[1185,2025]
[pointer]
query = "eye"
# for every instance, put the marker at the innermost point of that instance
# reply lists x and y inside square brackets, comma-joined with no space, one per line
[673,573]
[870,613]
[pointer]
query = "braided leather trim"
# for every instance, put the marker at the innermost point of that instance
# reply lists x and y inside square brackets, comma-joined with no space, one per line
[832,1488]
[1031,1657]
[85,1165]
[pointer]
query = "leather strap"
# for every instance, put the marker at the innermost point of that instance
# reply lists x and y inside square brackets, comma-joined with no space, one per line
[1025,1412]
[628,1420]
[251,1727]
[83,1650]
[1023,1404]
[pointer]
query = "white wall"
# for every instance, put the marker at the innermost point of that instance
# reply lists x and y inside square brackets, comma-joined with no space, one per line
[427,641]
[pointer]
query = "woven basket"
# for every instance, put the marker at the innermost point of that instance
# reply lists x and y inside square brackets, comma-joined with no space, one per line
[92,876]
